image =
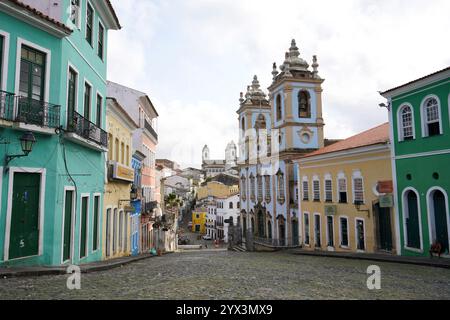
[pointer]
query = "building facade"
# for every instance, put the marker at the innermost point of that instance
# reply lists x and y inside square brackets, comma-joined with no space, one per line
[420,133]
[227,210]
[346,195]
[136,163]
[53,81]
[199,216]
[215,167]
[273,132]
[117,208]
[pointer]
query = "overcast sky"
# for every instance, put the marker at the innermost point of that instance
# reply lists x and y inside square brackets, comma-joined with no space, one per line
[193,57]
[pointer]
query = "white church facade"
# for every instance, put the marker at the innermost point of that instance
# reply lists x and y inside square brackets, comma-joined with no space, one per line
[275,129]
[215,167]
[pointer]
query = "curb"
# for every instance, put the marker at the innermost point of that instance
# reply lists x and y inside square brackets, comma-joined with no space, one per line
[378,259]
[62,270]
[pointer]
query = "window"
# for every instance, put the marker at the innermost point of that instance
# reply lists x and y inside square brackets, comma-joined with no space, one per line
[306,225]
[127,155]
[267,187]
[358,191]
[342,189]
[304,104]
[252,187]
[95,238]
[1,61]
[330,231]
[243,188]
[344,231]
[101,39]
[280,186]
[305,189]
[98,118]
[117,149]
[317,233]
[122,153]
[75,10]
[278,107]
[406,124]
[328,190]
[84,226]
[32,74]
[230,206]
[87,101]
[71,96]
[89,23]
[238,205]
[316,189]
[431,116]
[110,147]
[260,188]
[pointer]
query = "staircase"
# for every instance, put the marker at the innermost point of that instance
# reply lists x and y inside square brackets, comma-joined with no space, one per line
[239,248]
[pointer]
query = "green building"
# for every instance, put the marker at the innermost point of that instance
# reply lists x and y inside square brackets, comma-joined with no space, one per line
[419,118]
[53,91]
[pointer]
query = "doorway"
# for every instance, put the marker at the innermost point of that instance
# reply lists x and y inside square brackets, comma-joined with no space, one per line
[69,207]
[438,211]
[384,227]
[24,228]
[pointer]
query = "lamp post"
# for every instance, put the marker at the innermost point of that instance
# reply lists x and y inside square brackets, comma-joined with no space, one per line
[27,141]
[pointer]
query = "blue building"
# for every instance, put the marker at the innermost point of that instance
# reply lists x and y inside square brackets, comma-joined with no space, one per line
[136,163]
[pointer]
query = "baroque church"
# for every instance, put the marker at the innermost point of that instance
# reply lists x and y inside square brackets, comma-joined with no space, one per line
[215,167]
[274,129]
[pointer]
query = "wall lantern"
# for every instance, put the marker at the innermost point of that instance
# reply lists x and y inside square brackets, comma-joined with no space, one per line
[27,141]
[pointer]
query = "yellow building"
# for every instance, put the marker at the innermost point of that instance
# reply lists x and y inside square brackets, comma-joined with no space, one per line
[199,220]
[345,196]
[216,189]
[120,175]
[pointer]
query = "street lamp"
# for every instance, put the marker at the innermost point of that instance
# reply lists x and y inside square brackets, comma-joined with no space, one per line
[27,141]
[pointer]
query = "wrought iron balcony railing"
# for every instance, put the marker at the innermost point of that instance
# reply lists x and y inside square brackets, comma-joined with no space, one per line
[150,129]
[29,111]
[37,112]
[7,102]
[87,129]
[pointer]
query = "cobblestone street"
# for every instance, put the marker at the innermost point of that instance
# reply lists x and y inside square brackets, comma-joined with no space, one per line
[236,275]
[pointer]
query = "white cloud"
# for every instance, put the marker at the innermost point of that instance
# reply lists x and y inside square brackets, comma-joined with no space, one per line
[193,57]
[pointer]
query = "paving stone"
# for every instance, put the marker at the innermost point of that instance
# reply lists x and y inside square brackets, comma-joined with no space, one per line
[228,275]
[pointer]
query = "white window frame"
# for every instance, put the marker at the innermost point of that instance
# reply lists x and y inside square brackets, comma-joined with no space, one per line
[104,40]
[327,233]
[340,232]
[86,81]
[306,213]
[357,175]
[99,212]
[48,65]
[84,195]
[43,173]
[4,60]
[305,179]
[405,212]
[77,85]
[326,178]
[400,126]
[341,176]
[72,223]
[356,234]
[78,24]
[430,213]
[98,93]
[423,115]
[88,3]
[315,178]
[316,214]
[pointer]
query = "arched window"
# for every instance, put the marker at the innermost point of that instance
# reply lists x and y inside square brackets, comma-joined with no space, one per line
[431,117]
[304,104]
[230,205]
[278,107]
[406,123]
[243,126]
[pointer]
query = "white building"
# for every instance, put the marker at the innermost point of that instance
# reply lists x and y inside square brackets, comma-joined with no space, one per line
[227,208]
[215,167]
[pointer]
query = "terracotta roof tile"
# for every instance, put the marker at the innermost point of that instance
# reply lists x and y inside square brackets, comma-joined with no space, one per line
[376,135]
[38,13]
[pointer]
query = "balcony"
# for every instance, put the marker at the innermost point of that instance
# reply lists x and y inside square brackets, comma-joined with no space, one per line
[27,111]
[150,129]
[91,135]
